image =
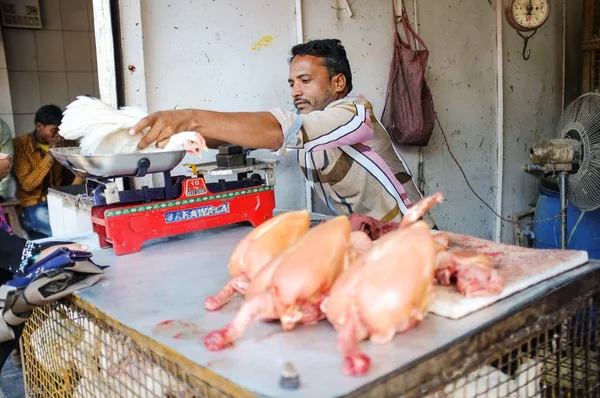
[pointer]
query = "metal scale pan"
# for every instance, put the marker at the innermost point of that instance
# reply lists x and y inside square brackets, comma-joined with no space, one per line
[116,165]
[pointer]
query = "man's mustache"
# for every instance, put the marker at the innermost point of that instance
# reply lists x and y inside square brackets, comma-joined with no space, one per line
[301,101]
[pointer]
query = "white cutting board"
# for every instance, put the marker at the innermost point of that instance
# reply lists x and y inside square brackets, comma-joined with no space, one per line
[520,268]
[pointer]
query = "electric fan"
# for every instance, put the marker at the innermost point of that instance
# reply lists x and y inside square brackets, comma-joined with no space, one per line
[574,156]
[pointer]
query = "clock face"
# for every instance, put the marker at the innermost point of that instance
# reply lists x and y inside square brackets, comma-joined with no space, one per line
[528,14]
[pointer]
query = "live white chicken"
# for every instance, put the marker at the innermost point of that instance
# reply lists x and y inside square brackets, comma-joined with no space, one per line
[104,129]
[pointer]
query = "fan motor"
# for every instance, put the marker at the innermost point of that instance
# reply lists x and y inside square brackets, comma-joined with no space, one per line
[556,155]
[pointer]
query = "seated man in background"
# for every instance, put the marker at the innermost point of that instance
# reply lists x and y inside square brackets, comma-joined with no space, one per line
[36,170]
[6,154]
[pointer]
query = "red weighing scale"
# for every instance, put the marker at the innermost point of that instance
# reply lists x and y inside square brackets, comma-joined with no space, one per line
[125,217]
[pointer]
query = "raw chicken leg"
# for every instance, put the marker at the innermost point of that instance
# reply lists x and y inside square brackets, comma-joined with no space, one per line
[292,286]
[386,291]
[419,209]
[256,250]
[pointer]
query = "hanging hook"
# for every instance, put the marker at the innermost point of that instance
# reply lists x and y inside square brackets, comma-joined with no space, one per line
[526,51]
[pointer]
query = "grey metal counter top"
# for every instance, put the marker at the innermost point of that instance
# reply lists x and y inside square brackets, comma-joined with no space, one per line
[169,279]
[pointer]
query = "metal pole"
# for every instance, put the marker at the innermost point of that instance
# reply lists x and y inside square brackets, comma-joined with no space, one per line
[563,208]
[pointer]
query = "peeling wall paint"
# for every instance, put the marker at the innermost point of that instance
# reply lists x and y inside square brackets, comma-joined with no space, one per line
[213,60]
[264,41]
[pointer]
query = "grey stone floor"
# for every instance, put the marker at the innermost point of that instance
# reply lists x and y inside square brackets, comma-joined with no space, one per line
[11,381]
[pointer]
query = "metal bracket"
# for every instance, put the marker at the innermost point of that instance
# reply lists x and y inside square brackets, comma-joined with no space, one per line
[270,177]
[111,193]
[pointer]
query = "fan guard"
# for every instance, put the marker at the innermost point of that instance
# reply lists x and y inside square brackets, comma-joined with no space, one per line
[581,122]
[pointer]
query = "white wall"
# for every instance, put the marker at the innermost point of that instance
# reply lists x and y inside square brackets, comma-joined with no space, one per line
[199,54]
[533,106]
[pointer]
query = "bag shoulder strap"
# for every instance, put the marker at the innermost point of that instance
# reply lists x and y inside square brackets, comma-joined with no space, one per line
[408,29]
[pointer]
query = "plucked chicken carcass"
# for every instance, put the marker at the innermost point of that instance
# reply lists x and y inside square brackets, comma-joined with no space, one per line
[257,248]
[386,291]
[292,286]
[472,273]
[103,129]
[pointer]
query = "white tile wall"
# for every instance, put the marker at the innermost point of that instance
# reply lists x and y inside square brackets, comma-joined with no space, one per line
[51,18]
[74,15]
[78,55]
[52,65]
[80,83]
[34,63]
[25,91]
[24,124]
[50,53]
[53,88]
[19,45]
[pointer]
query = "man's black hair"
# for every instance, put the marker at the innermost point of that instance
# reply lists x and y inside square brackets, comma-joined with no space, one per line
[48,114]
[333,54]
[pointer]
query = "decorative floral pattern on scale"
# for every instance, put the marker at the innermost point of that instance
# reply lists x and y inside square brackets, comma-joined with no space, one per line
[179,202]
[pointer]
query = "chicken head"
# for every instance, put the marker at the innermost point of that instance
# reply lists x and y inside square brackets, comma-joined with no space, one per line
[190,141]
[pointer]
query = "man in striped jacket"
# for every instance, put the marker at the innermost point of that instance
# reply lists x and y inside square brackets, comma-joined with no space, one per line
[343,150]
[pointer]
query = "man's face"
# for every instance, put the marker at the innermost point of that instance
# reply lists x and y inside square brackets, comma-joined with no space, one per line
[47,134]
[312,89]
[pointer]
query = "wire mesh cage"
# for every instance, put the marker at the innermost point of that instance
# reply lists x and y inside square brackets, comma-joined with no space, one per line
[69,352]
[546,348]
[560,362]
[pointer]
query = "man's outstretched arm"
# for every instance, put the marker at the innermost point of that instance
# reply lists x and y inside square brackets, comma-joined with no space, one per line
[255,130]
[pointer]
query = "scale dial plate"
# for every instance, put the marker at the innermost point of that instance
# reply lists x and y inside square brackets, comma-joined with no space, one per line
[527,15]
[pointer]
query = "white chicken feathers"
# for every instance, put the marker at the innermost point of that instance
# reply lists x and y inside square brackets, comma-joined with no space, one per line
[103,129]
[489,382]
